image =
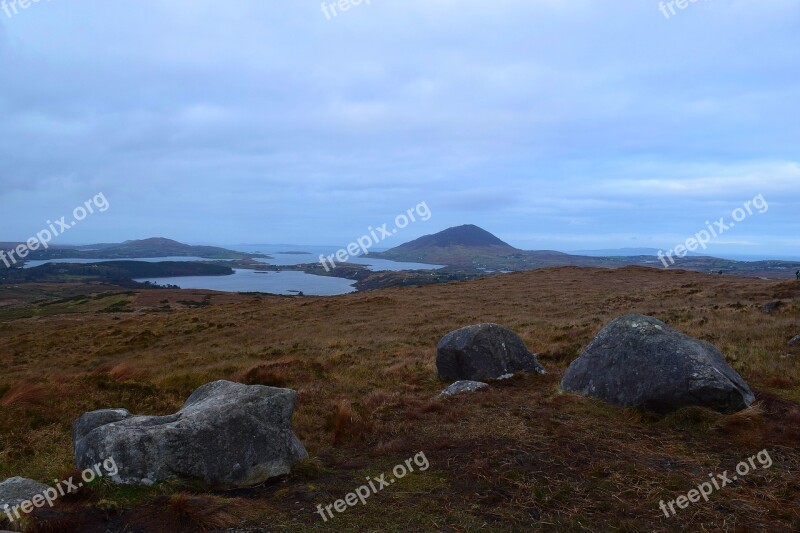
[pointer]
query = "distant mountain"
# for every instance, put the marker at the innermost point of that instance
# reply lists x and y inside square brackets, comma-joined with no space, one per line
[144,248]
[468,235]
[472,249]
[461,245]
[161,247]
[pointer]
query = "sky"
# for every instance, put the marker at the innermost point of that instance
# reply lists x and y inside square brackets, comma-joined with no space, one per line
[554,124]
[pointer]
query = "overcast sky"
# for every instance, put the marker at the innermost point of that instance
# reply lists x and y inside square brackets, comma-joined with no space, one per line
[558,124]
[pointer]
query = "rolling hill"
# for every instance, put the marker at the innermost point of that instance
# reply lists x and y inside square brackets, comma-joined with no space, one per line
[457,246]
[144,248]
[471,247]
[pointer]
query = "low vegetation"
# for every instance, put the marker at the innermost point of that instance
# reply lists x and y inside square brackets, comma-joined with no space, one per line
[520,456]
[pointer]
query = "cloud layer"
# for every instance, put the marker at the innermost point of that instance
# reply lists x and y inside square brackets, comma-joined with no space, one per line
[553,124]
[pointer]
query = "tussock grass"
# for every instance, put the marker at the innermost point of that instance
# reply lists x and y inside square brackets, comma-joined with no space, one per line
[521,456]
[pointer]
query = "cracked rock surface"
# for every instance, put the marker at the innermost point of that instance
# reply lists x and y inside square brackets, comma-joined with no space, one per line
[637,360]
[483,351]
[226,434]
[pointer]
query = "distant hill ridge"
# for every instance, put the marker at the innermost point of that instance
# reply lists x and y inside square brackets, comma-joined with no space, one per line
[162,246]
[460,245]
[467,235]
[145,248]
[474,249]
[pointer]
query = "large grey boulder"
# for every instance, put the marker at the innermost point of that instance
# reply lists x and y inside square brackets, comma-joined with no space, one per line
[16,490]
[795,341]
[638,360]
[226,434]
[483,351]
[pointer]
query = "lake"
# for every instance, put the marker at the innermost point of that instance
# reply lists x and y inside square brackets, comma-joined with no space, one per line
[311,255]
[284,283]
[272,282]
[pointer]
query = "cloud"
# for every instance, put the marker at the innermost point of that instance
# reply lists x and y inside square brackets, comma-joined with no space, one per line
[716,180]
[257,121]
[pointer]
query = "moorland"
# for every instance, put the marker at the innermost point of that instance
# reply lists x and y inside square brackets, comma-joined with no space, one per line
[521,456]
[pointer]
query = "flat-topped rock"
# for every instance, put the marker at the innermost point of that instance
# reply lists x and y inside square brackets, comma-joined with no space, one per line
[226,434]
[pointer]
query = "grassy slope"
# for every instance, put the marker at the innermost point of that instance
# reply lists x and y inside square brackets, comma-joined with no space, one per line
[519,457]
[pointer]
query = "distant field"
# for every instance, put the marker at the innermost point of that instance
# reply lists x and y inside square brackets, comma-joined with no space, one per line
[519,457]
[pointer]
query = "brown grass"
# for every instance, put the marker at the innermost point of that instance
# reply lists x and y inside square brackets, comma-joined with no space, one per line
[779,382]
[346,424]
[521,456]
[25,394]
[204,512]
[261,375]
[125,372]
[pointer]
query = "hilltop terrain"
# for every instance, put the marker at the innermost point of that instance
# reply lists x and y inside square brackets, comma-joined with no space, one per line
[521,456]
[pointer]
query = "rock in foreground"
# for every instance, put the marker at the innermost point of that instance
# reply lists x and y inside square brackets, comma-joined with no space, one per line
[16,490]
[638,360]
[483,351]
[226,434]
[463,386]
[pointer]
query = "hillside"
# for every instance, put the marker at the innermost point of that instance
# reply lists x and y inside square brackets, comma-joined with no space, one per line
[520,457]
[467,235]
[461,245]
[113,272]
[160,247]
[145,248]
[474,248]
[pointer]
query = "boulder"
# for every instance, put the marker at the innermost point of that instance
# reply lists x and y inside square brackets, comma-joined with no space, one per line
[638,360]
[226,434]
[483,351]
[463,386]
[16,490]
[771,307]
[795,341]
